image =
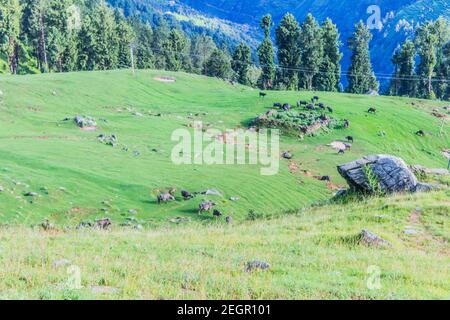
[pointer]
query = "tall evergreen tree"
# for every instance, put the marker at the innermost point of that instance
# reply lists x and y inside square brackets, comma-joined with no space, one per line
[202,46]
[287,40]
[329,77]
[426,41]
[144,51]
[218,65]
[266,55]
[312,52]
[175,50]
[125,38]
[10,17]
[403,83]
[361,77]
[442,31]
[241,63]
[160,35]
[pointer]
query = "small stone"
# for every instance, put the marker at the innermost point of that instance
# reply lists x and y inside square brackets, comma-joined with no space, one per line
[410,231]
[229,220]
[31,194]
[1,189]
[235,198]
[257,265]
[370,239]
[287,155]
[104,289]
[132,211]
[61,263]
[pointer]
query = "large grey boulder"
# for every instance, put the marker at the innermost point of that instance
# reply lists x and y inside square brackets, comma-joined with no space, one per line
[391,174]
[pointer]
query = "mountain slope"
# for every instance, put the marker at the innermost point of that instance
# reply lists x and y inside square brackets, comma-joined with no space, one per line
[239,19]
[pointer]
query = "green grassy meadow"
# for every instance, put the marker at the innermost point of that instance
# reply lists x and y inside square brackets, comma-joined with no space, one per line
[286,220]
[78,178]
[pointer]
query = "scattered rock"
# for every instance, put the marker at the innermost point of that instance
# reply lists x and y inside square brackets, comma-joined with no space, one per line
[109,140]
[410,231]
[31,194]
[1,189]
[391,174]
[212,192]
[229,220]
[85,122]
[61,263]
[372,240]
[286,155]
[418,169]
[104,289]
[132,211]
[235,199]
[257,265]
[179,220]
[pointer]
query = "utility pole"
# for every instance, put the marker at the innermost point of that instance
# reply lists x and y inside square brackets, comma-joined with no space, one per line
[132,47]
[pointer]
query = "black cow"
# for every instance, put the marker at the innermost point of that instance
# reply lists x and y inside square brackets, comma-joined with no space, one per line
[372,110]
[420,133]
[350,139]
[262,94]
[330,110]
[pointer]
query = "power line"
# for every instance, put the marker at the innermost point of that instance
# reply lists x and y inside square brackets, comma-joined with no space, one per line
[302,69]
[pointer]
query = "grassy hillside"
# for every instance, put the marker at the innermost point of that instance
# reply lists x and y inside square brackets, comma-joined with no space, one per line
[78,178]
[313,255]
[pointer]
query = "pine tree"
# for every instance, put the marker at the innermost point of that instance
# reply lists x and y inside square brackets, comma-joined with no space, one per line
[143,52]
[125,38]
[426,41]
[441,29]
[202,47]
[160,35]
[175,50]
[99,43]
[10,17]
[312,52]
[361,77]
[329,77]
[241,63]
[287,40]
[403,83]
[266,55]
[218,65]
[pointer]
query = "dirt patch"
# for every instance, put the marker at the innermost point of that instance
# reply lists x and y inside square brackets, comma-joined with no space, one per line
[165,79]
[93,128]
[439,115]
[334,187]
[338,145]
[293,167]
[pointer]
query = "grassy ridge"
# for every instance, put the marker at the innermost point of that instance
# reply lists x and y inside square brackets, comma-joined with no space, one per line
[313,255]
[78,178]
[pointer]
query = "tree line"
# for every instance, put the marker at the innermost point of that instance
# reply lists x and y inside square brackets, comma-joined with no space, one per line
[431,77]
[78,35]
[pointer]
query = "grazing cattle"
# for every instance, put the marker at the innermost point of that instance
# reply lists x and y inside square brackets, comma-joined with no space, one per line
[348,146]
[330,110]
[262,94]
[420,133]
[341,151]
[310,107]
[346,124]
[349,139]
[217,213]
[286,107]
[321,106]
[165,197]
[324,178]
[277,105]
[316,98]
[103,224]
[372,110]
[186,195]
[206,206]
